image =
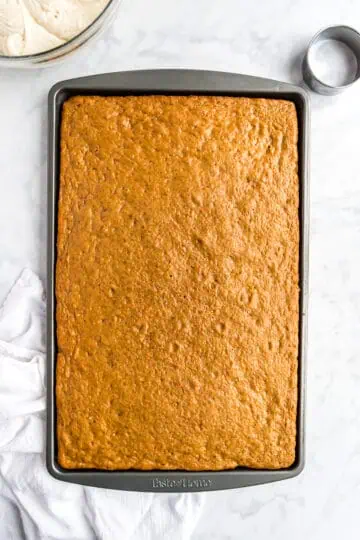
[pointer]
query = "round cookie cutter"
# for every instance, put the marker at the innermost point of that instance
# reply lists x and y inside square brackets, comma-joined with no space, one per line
[344,34]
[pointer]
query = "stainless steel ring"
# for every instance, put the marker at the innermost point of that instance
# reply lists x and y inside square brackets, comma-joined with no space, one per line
[345,34]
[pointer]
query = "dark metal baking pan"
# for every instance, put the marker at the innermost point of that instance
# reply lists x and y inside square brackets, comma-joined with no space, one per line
[172,82]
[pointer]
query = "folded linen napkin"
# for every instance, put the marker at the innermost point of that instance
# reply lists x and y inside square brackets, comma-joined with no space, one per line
[33,505]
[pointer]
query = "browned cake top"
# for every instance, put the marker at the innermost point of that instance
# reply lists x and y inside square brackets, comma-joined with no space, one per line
[177,283]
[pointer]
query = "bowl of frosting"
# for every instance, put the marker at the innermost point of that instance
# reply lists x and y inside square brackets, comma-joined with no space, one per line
[35,33]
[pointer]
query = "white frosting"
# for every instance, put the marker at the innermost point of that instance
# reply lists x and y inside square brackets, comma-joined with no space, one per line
[34,26]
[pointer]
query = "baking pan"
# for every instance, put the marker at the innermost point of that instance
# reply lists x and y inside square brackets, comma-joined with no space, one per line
[172,82]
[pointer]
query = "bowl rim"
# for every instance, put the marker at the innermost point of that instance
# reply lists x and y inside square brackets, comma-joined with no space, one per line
[58,48]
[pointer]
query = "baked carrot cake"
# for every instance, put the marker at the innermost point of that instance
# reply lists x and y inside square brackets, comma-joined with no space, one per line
[177,283]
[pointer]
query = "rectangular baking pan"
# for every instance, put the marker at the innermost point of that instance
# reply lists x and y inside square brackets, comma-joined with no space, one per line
[183,82]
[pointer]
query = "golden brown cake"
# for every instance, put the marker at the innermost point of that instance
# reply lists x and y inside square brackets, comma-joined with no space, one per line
[177,283]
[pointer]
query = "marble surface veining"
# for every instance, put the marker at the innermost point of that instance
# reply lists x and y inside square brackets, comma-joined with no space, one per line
[265,38]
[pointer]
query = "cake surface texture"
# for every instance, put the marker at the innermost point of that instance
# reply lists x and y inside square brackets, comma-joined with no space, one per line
[177,283]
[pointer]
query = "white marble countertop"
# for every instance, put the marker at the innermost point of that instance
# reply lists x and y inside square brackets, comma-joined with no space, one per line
[259,38]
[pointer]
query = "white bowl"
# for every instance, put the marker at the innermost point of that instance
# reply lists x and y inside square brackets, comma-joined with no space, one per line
[60,53]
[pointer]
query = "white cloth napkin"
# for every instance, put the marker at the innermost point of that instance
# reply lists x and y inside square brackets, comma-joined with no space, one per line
[33,505]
